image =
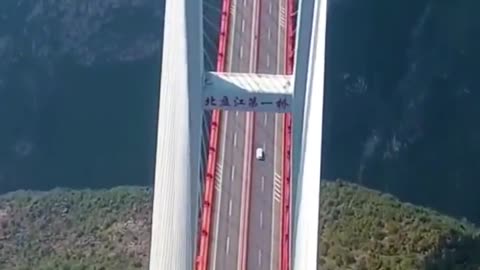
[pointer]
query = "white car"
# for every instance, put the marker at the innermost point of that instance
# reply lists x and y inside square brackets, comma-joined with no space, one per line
[259,154]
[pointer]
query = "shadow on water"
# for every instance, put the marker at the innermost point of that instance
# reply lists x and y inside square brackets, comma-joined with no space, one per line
[457,253]
[85,117]
[80,110]
[400,102]
[96,130]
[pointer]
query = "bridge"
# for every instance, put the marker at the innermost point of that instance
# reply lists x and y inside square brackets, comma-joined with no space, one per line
[222,208]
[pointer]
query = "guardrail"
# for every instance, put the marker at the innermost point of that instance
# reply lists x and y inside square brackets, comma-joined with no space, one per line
[201,262]
[287,146]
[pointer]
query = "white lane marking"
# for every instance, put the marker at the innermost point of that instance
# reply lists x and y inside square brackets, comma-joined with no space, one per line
[243,25]
[270,8]
[255,32]
[275,143]
[277,187]
[245,192]
[268,60]
[265,120]
[230,208]
[219,194]
[259,257]
[232,35]
[236,113]
[263,183]
[244,2]
[233,173]
[235,139]
[264,146]
[282,35]
[275,229]
[261,219]
[227,248]
[219,172]
[269,33]
[241,51]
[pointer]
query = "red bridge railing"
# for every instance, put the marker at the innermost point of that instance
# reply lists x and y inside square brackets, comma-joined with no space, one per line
[287,146]
[201,262]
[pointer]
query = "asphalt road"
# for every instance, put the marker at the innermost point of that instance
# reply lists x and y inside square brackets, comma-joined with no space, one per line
[256,44]
[228,193]
[265,208]
[225,252]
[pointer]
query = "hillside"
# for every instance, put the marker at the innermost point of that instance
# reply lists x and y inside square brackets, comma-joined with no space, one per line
[365,229]
[109,229]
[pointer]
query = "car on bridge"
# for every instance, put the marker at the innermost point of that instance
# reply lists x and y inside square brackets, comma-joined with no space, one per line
[260,154]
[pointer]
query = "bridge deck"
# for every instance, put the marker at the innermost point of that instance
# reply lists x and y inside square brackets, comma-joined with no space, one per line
[247,210]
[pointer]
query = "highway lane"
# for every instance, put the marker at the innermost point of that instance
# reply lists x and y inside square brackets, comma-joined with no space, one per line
[264,214]
[230,189]
[228,200]
[265,207]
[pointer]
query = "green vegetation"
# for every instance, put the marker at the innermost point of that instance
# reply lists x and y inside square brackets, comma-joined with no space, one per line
[75,230]
[110,229]
[365,229]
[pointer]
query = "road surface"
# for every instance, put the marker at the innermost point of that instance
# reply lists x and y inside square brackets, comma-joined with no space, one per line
[265,205]
[230,185]
[246,212]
